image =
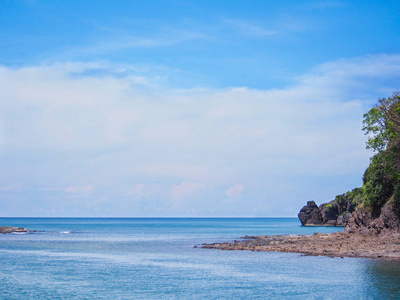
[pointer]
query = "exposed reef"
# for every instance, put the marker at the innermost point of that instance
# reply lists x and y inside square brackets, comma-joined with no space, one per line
[339,244]
[7,229]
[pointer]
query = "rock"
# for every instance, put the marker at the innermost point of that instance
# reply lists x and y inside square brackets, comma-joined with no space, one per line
[343,219]
[344,204]
[389,218]
[347,217]
[387,222]
[330,223]
[6,229]
[314,218]
[334,213]
[329,213]
[361,218]
[310,214]
[339,244]
[340,221]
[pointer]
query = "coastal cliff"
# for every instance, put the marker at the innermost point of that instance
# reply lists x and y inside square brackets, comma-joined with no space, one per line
[376,205]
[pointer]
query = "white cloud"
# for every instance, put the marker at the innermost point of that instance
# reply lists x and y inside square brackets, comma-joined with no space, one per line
[235,190]
[62,126]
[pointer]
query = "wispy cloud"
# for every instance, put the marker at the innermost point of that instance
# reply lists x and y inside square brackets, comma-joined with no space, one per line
[250,29]
[10,188]
[122,41]
[80,190]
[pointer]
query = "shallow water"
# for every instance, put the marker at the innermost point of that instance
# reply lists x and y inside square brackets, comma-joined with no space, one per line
[147,258]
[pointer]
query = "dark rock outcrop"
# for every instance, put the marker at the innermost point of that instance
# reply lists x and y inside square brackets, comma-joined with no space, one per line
[333,213]
[343,220]
[329,212]
[309,215]
[388,221]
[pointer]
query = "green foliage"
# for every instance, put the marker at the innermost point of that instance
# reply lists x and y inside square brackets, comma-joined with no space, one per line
[340,198]
[355,196]
[396,196]
[382,178]
[381,181]
[373,123]
[329,206]
[382,123]
[378,183]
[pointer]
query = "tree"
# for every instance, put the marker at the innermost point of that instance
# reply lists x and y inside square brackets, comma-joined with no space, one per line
[383,122]
[382,178]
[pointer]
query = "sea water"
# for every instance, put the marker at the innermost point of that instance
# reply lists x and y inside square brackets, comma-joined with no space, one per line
[155,258]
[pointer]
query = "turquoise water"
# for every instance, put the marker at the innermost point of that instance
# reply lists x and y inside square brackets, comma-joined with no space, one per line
[101,258]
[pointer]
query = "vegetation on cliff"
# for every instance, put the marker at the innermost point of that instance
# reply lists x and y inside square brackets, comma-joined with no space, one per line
[381,180]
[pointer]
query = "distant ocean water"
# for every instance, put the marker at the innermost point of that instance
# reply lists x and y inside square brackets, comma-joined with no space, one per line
[154,258]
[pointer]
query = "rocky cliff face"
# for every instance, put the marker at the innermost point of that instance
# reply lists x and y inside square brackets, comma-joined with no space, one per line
[333,213]
[363,221]
[357,219]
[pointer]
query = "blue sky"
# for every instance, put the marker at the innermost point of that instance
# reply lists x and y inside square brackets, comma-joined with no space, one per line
[188,108]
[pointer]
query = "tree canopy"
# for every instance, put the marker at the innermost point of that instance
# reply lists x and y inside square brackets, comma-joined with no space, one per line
[382,123]
[382,178]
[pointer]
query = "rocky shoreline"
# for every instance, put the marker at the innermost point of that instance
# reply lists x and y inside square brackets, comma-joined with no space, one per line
[7,229]
[364,236]
[339,244]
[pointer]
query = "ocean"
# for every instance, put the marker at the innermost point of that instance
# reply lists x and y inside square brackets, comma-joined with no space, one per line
[155,258]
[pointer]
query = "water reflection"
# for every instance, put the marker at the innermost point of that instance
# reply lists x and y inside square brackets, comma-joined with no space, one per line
[383,279]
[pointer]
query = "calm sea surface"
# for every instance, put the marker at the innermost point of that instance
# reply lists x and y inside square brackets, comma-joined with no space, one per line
[154,258]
